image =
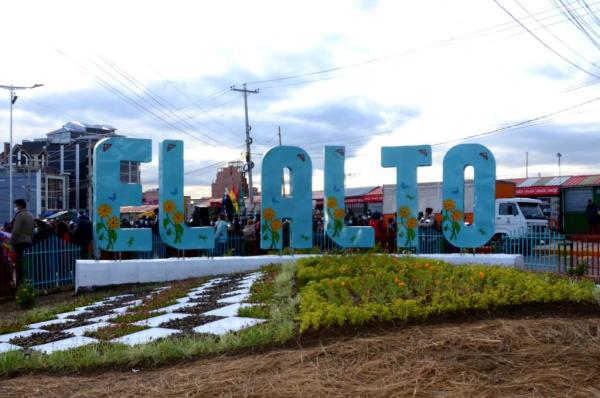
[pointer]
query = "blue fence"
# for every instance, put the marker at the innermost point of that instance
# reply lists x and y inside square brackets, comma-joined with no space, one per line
[51,263]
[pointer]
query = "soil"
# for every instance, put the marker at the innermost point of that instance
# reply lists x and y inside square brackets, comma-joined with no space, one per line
[188,323]
[200,308]
[39,338]
[548,357]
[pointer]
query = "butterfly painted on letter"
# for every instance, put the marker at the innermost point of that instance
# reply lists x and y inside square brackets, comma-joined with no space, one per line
[106,147]
[484,155]
[170,147]
[423,152]
[340,151]
[300,156]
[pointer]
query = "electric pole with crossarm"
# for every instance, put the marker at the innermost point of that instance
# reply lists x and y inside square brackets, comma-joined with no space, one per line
[249,164]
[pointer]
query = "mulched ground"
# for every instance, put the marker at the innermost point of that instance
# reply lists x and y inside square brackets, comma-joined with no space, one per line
[57,327]
[200,308]
[188,323]
[40,338]
[548,357]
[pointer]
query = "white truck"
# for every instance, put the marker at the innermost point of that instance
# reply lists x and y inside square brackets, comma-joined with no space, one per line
[516,216]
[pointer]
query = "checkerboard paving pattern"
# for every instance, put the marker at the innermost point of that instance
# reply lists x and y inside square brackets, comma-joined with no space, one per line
[230,302]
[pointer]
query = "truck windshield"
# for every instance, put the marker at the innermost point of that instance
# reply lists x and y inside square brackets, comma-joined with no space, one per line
[532,211]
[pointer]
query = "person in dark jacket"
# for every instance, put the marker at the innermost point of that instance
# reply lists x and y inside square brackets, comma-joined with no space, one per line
[591,214]
[22,235]
[84,233]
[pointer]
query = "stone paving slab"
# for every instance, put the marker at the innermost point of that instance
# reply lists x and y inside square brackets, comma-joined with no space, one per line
[145,336]
[158,320]
[66,344]
[228,311]
[5,347]
[39,325]
[226,325]
[236,292]
[103,318]
[80,330]
[239,298]
[5,338]
[174,307]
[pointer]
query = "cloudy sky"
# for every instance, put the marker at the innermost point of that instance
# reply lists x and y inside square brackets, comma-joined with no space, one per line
[358,73]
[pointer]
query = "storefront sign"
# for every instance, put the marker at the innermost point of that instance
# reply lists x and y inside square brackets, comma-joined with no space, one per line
[538,191]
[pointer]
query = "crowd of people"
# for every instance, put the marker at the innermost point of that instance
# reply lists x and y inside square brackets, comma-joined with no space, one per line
[24,231]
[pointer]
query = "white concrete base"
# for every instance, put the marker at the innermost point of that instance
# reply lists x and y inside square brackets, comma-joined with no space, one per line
[504,260]
[90,273]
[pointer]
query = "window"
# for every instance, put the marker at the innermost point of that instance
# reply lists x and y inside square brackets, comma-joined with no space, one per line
[130,172]
[507,209]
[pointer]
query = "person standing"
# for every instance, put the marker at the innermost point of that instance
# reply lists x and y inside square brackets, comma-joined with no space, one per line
[591,214]
[22,235]
[221,234]
[83,235]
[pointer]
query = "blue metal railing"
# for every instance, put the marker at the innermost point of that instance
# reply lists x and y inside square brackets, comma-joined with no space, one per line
[50,263]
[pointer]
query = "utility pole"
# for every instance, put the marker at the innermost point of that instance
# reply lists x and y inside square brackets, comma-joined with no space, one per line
[13,99]
[249,164]
[526,164]
[89,179]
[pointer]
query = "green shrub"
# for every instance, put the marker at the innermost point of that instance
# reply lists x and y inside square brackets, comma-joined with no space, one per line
[26,295]
[336,291]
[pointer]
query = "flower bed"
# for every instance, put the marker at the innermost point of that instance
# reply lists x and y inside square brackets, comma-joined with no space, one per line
[354,290]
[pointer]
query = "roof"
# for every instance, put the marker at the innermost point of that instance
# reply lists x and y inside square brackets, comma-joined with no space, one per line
[353,192]
[589,180]
[539,181]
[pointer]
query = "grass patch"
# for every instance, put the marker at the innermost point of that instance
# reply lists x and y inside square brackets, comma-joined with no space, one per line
[114,331]
[256,311]
[131,317]
[354,290]
[279,329]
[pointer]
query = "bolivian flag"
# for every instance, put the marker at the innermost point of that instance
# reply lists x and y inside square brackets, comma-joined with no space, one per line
[233,195]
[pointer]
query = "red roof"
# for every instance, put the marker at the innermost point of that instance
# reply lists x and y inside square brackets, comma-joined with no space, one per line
[582,181]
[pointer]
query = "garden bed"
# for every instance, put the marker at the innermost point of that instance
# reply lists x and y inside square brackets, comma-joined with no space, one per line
[358,290]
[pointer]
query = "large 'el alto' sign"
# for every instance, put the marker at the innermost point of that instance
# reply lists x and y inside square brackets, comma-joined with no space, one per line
[110,194]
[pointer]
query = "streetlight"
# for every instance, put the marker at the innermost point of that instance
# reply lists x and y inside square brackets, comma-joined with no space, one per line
[13,99]
[559,155]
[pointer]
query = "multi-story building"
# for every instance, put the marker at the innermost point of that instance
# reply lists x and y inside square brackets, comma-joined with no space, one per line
[64,159]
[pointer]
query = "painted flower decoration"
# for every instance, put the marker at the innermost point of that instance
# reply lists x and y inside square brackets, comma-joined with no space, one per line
[339,213]
[104,210]
[113,223]
[412,223]
[331,202]
[404,212]
[178,218]
[457,215]
[449,205]
[276,225]
[268,214]
[169,206]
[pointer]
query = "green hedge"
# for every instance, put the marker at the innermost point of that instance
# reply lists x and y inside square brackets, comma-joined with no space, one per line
[342,290]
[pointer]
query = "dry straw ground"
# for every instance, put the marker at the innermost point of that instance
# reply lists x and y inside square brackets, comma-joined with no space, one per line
[548,357]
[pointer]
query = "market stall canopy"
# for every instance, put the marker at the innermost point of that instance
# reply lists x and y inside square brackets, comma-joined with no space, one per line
[62,215]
